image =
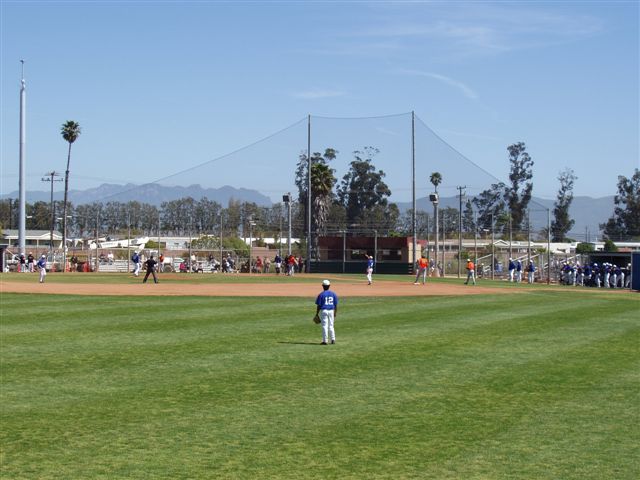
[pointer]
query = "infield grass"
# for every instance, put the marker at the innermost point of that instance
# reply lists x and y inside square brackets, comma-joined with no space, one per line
[543,385]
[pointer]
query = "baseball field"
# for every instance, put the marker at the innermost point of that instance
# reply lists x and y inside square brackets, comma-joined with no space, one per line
[211,376]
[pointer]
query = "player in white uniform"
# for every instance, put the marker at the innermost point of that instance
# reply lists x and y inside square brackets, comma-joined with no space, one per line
[137,263]
[370,264]
[42,267]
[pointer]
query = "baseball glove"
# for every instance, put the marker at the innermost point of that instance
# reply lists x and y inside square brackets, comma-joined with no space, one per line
[316,318]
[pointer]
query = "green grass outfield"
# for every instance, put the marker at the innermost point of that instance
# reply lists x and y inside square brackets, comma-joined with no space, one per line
[539,385]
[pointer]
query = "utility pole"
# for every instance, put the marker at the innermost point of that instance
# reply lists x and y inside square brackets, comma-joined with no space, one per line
[50,177]
[22,188]
[493,246]
[528,237]
[475,240]
[308,263]
[413,187]
[434,199]
[460,228]
[286,198]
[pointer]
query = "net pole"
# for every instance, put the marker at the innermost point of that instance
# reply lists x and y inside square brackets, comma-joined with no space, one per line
[308,263]
[413,182]
[548,246]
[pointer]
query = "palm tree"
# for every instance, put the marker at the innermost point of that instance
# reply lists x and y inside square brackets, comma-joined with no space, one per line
[436,179]
[70,132]
[322,182]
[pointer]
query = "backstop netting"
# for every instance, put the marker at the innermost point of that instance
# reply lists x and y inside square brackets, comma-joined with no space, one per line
[241,193]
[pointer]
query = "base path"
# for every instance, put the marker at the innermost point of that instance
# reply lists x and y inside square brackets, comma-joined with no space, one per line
[342,287]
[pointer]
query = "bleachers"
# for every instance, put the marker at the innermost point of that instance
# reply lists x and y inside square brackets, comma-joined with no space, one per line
[118,266]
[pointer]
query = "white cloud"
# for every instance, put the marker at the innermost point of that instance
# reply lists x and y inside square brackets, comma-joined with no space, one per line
[480,28]
[466,91]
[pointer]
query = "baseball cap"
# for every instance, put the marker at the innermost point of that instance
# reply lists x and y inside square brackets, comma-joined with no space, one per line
[326,283]
[44,256]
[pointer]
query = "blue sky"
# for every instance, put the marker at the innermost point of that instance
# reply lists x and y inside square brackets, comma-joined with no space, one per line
[159,87]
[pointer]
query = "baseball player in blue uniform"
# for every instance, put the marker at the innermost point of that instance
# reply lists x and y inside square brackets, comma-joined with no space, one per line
[370,264]
[327,309]
[42,267]
[137,263]
[512,269]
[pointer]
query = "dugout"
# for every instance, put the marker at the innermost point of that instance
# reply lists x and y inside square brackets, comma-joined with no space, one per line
[621,259]
[348,254]
[3,251]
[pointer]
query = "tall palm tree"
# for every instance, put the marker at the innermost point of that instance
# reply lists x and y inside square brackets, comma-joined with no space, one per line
[322,182]
[436,179]
[70,132]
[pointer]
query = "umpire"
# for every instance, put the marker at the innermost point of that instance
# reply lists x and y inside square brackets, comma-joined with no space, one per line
[151,269]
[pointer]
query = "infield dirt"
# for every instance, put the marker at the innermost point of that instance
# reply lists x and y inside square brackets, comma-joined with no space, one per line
[345,287]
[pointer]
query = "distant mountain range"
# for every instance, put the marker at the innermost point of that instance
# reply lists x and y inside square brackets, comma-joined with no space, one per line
[151,193]
[587,212]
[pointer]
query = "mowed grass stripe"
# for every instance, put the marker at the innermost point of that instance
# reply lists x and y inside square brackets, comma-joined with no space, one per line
[400,395]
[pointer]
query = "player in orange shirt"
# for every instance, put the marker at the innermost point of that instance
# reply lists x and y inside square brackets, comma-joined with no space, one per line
[423,267]
[471,272]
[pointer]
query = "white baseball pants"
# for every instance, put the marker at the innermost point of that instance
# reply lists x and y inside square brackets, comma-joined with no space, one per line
[326,321]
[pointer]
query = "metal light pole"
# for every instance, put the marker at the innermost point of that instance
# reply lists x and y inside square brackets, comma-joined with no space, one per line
[221,252]
[428,242]
[475,240]
[251,225]
[434,199]
[460,230]
[22,178]
[413,186]
[528,237]
[444,243]
[287,199]
[375,248]
[129,241]
[190,241]
[548,246]
[280,235]
[308,269]
[97,222]
[493,246]
[344,249]
[50,177]
[510,238]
